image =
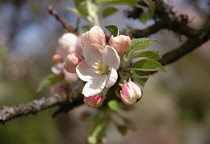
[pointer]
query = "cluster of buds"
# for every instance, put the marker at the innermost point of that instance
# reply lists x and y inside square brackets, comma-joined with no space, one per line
[68,43]
[99,66]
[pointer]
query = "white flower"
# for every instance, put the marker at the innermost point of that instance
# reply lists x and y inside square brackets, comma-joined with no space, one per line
[99,68]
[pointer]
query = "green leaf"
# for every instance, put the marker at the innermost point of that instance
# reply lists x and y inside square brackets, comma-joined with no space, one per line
[49,81]
[109,11]
[113,105]
[92,7]
[149,54]
[140,78]
[145,16]
[114,30]
[75,11]
[81,6]
[98,129]
[148,65]
[122,2]
[117,92]
[142,43]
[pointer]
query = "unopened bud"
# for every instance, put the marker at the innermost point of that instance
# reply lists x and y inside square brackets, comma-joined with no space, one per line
[94,36]
[120,43]
[71,63]
[94,101]
[130,93]
[57,58]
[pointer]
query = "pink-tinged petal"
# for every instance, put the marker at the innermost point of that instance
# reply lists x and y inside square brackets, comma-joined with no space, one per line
[94,86]
[85,72]
[92,54]
[111,78]
[67,44]
[110,57]
[120,43]
[94,36]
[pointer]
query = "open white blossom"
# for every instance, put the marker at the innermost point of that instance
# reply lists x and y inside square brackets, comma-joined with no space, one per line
[99,68]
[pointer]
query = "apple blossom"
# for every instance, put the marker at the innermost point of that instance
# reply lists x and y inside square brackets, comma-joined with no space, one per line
[130,93]
[94,36]
[120,43]
[99,68]
[94,101]
[71,62]
[68,43]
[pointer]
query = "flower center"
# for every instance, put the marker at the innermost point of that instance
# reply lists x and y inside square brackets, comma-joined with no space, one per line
[101,68]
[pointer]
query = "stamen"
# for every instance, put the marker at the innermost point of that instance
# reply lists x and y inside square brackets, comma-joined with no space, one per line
[101,68]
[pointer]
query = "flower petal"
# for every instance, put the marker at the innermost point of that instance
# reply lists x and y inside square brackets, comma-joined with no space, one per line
[92,54]
[85,72]
[111,78]
[110,57]
[94,86]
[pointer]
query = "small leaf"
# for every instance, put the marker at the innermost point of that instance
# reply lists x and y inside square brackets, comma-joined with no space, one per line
[122,2]
[92,8]
[86,27]
[49,81]
[75,11]
[122,129]
[117,92]
[140,78]
[113,105]
[109,11]
[113,29]
[81,6]
[147,65]
[145,16]
[142,43]
[149,54]
[98,129]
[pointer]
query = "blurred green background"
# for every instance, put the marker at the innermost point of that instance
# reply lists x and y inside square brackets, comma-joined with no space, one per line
[175,108]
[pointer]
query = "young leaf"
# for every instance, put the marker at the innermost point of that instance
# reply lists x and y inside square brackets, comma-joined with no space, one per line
[81,6]
[117,92]
[114,30]
[97,129]
[75,11]
[142,43]
[122,2]
[145,16]
[149,54]
[49,81]
[113,105]
[140,78]
[92,8]
[147,65]
[109,11]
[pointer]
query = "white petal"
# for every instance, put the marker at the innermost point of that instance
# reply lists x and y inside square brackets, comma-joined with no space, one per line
[85,72]
[92,54]
[111,78]
[94,86]
[110,57]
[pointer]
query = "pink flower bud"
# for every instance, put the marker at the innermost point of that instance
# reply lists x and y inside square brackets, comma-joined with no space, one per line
[120,43]
[57,58]
[94,36]
[94,101]
[130,93]
[68,43]
[71,63]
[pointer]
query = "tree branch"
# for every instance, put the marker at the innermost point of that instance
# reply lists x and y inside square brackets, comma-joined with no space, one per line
[35,106]
[65,25]
[195,39]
